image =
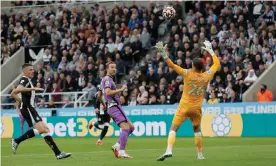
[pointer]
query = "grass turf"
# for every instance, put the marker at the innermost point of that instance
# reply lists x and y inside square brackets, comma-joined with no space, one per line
[217,151]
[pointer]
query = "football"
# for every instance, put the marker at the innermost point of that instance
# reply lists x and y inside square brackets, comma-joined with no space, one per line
[168,12]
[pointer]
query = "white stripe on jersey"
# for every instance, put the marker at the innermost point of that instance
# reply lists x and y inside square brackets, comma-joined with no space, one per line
[32,118]
[33,95]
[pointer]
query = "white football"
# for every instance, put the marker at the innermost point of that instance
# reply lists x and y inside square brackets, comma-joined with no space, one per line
[168,12]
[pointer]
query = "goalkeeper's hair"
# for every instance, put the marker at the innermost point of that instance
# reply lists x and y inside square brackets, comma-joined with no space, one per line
[198,64]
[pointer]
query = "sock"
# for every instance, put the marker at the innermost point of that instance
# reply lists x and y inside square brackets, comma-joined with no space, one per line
[198,143]
[117,146]
[29,134]
[103,133]
[96,124]
[171,140]
[131,130]
[49,140]
[123,138]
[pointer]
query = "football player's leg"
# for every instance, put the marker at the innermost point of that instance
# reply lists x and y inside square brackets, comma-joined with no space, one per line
[178,119]
[121,120]
[28,134]
[106,120]
[22,120]
[127,128]
[43,129]
[98,123]
[196,121]
[131,126]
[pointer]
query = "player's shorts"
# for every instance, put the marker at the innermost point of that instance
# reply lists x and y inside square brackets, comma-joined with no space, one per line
[184,113]
[117,114]
[30,115]
[102,119]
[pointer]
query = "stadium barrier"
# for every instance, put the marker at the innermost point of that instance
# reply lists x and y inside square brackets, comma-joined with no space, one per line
[78,99]
[228,120]
[10,69]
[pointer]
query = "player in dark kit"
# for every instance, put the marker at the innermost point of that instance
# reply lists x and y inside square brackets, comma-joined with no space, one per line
[24,95]
[103,119]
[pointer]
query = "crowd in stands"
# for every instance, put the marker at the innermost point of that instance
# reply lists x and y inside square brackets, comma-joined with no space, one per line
[81,41]
[243,35]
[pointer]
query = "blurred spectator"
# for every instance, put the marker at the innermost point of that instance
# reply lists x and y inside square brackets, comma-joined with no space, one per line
[264,95]
[213,99]
[133,101]
[42,104]
[123,101]
[142,97]
[68,103]
[91,91]
[56,89]
[233,98]
[224,98]
[152,99]
[251,78]
[51,104]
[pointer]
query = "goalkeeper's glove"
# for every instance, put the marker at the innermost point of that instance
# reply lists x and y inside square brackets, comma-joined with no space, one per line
[162,49]
[208,47]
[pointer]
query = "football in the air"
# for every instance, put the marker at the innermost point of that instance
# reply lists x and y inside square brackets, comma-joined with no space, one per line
[168,12]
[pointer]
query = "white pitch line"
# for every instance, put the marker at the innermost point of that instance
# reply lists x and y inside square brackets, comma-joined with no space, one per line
[105,151]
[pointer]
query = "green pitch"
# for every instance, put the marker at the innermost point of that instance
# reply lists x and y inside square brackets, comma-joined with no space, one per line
[217,151]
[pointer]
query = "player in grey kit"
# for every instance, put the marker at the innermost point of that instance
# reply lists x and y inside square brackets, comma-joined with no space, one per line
[114,109]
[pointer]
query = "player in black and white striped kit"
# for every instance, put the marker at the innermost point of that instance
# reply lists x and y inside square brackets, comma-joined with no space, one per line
[24,95]
[103,119]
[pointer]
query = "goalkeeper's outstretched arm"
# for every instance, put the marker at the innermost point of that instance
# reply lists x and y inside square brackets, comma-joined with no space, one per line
[175,67]
[216,63]
[162,50]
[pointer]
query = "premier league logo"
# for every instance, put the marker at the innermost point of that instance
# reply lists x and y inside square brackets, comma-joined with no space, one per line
[221,125]
[2,127]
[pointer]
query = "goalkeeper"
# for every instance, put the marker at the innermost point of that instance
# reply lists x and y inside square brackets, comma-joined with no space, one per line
[195,84]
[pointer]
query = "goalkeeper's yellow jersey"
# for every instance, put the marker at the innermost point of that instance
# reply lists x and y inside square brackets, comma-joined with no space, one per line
[195,83]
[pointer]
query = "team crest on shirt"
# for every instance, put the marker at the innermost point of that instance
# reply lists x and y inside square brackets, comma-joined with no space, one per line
[107,83]
[37,118]
[208,72]
[22,81]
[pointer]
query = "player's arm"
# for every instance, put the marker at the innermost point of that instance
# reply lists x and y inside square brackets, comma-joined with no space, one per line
[100,98]
[109,92]
[22,87]
[14,95]
[97,103]
[216,63]
[179,70]
[162,50]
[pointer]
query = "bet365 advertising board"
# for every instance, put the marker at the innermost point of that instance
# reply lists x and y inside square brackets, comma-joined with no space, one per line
[226,120]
